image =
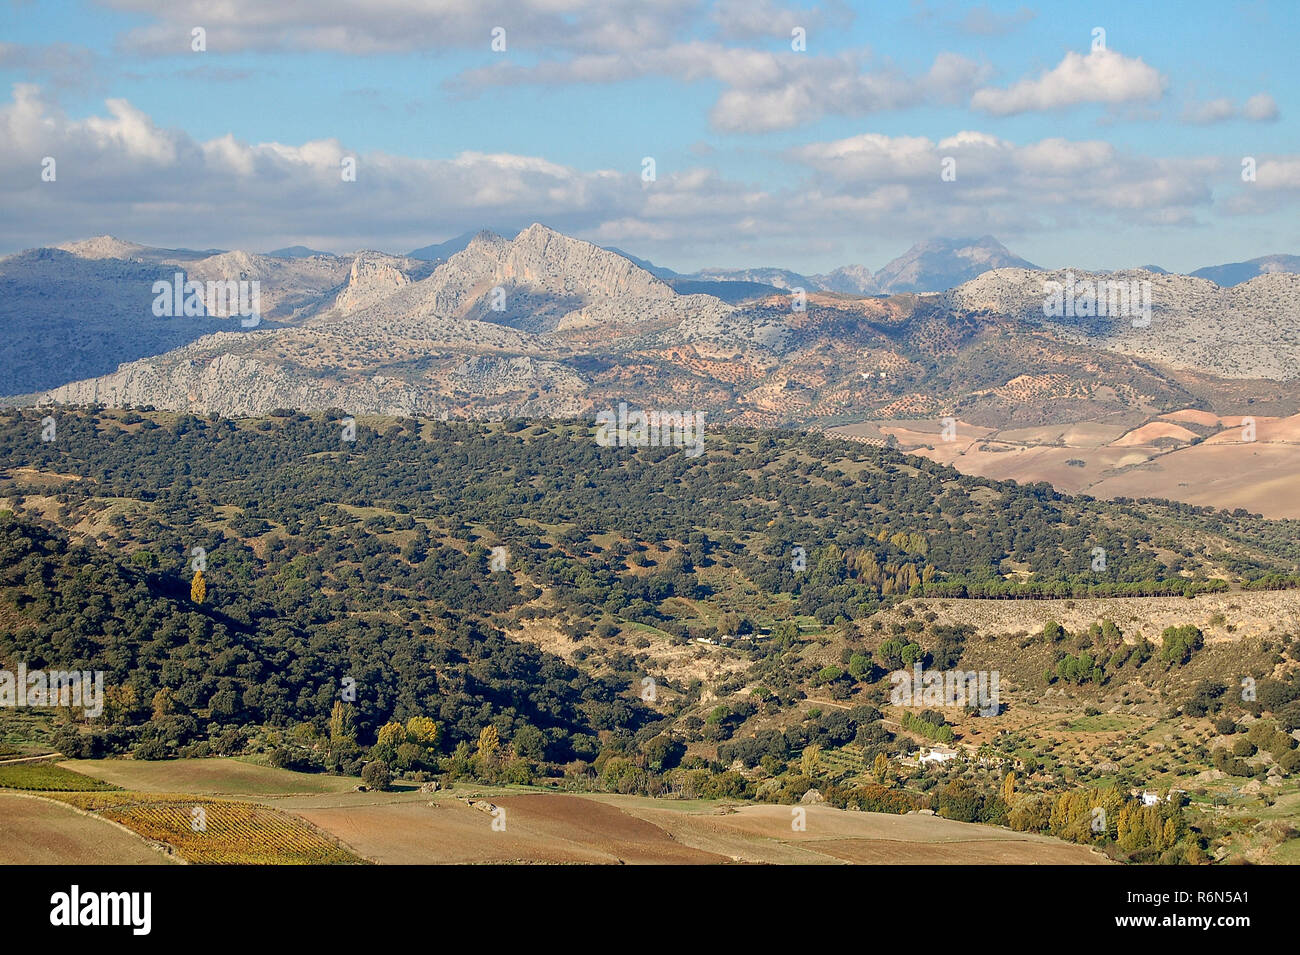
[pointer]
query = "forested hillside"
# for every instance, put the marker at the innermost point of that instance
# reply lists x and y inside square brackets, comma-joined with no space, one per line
[347,586]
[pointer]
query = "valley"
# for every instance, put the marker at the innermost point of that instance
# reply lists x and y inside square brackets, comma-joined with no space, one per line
[708,659]
[433,596]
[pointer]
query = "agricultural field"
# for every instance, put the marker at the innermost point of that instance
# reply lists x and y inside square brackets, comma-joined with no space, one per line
[1189,456]
[192,827]
[214,777]
[43,775]
[209,831]
[36,831]
[762,834]
[555,827]
[295,825]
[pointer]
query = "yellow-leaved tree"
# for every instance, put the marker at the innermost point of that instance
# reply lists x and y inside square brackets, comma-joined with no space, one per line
[163,704]
[391,735]
[198,588]
[343,723]
[422,730]
[880,767]
[810,763]
[489,741]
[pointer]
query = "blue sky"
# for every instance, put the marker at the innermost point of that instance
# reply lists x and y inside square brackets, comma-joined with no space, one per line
[1126,153]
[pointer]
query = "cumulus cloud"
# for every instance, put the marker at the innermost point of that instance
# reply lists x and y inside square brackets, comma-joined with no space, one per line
[1000,183]
[1260,108]
[120,172]
[839,86]
[1103,76]
[762,90]
[1210,111]
[1281,172]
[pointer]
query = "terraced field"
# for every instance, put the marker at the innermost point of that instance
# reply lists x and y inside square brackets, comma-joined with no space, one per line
[214,831]
[845,761]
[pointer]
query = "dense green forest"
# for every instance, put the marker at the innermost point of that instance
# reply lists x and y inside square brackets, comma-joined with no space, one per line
[371,558]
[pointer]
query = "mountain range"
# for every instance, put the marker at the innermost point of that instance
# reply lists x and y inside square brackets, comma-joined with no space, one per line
[929,266]
[1234,273]
[933,265]
[544,324]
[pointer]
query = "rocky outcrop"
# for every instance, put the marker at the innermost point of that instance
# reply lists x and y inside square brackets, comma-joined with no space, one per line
[850,280]
[1247,331]
[373,277]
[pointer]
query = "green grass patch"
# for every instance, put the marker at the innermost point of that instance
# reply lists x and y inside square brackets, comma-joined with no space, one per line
[48,777]
[1288,853]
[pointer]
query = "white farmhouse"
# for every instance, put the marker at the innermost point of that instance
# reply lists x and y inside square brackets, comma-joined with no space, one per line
[936,754]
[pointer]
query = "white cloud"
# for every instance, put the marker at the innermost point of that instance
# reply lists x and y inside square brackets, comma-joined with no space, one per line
[1103,76]
[1282,172]
[872,157]
[387,26]
[763,90]
[999,182]
[1211,111]
[1260,108]
[120,172]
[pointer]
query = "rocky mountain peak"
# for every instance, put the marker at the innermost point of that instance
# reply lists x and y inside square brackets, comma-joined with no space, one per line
[103,247]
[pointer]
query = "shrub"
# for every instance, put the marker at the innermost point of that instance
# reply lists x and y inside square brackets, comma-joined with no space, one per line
[1177,644]
[376,775]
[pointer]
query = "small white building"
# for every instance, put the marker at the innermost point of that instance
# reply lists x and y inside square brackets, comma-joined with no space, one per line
[936,754]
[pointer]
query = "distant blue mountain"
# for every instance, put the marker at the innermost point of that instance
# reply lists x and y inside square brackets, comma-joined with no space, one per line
[658,271]
[1234,273]
[441,251]
[296,252]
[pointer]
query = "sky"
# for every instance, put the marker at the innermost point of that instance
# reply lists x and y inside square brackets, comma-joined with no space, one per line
[738,133]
